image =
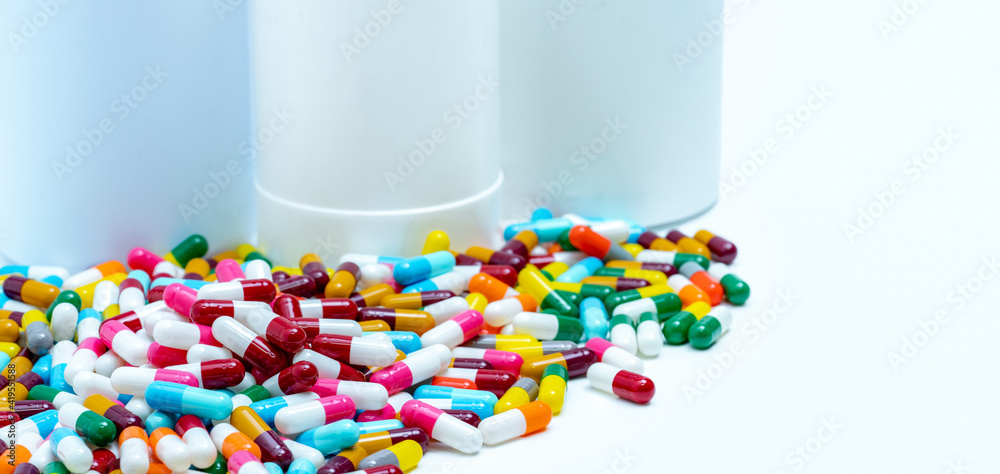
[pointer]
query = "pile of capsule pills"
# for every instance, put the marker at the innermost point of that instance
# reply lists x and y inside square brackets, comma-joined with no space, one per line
[183,362]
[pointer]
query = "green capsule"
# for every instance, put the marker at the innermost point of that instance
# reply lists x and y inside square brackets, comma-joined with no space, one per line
[93,427]
[564,243]
[68,296]
[675,330]
[55,468]
[737,291]
[256,393]
[573,298]
[681,258]
[621,319]
[219,467]
[570,329]
[614,300]
[195,246]
[255,255]
[552,311]
[709,329]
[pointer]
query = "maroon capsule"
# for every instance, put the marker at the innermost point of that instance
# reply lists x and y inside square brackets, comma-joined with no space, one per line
[465,363]
[633,387]
[467,416]
[316,270]
[26,408]
[504,273]
[279,276]
[221,373]
[122,418]
[300,377]
[722,249]
[8,418]
[298,285]
[104,460]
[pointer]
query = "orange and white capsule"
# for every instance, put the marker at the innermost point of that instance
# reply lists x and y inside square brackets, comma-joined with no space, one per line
[519,421]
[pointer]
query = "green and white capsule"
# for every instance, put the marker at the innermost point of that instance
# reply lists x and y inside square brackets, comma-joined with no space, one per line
[674,258]
[709,329]
[548,327]
[736,290]
[623,333]
[664,305]
[649,335]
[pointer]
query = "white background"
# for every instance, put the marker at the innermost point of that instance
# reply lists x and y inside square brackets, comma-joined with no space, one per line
[827,356]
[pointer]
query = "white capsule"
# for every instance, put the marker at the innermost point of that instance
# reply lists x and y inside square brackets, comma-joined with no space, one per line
[202,449]
[634,309]
[446,309]
[72,451]
[257,270]
[152,319]
[139,407]
[623,335]
[182,335]
[301,451]
[105,294]
[174,453]
[501,312]
[130,299]
[134,456]
[649,336]
[107,363]
[542,326]
[86,384]
[64,320]
[205,352]
[84,359]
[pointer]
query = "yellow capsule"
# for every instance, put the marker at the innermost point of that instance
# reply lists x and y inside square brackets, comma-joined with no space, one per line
[212,277]
[523,392]
[198,266]
[552,390]
[633,249]
[10,348]
[243,250]
[86,292]
[9,331]
[436,241]
[112,311]
[407,454]
[555,269]
[33,316]
[374,325]
[477,301]
[699,309]
[229,254]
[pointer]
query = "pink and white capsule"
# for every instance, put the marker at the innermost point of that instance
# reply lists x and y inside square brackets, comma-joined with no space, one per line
[419,365]
[181,335]
[442,426]
[85,358]
[366,395]
[243,462]
[312,414]
[124,342]
[455,331]
[229,270]
[134,380]
[609,353]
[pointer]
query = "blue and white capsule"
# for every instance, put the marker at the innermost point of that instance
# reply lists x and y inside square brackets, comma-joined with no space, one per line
[187,400]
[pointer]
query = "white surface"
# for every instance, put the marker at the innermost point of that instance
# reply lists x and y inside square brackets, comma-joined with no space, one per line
[825,357]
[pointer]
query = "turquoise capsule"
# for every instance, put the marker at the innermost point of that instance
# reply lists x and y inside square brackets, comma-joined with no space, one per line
[164,281]
[423,267]
[582,269]
[186,400]
[548,230]
[269,407]
[44,422]
[160,419]
[42,367]
[379,425]
[302,466]
[406,341]
[455,394]
[331,438]
[273,468]
[594,317]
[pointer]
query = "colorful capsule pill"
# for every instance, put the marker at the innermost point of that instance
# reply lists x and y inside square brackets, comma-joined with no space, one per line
[89,425]
[37,333]
[399,319]
[622,333]
[616,283]
[652,241]
[586,240]
[71,450]
[343,281]
[707,330]
[214,374]
[491,257]
[242,462]
[552,389]
[312,414]
[298,377]
[41,424]
[272,448]
[207,311]
[736,290]
[441,426]
[405,454]
[524,391]
[501,312]
[55,396]
[614,300]
[416,300]
[687,244]
[331,437]
[609,353]
[124,342]
[490,287]
[521,243]
[722,249]
[520,421]
[496,381]
[133,451]
[500,360]
[547,327]
[672,258]
[315,326]
[187,400]
[455,331]
[30,291]
[625,384]
[246,344]
[576,362]
[344,462]
[547,230]
[420,365]
[228,441]
[594,318]
[365,395]
[281,332]
[665,268]
[704,281]
[243,290]
[355,350]
[423,267]
[535,284]
[664,305]
[199,443]
[649,335]
[118,415]
[686,290]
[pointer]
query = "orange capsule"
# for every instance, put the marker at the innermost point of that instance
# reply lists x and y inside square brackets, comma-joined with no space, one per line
[687,291]
[30,291]
[490,287]
[453,382]
[229,440]
[686,244]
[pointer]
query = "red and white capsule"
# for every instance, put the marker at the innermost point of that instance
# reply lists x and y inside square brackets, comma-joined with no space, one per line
[243,290]
[355,350]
